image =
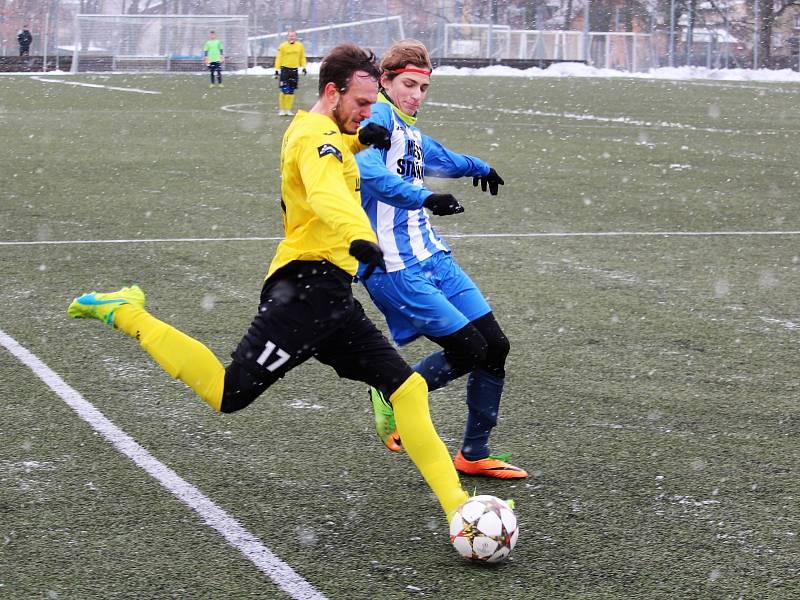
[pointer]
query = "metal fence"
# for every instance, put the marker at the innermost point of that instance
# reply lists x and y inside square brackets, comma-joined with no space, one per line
[155,42]
[607,50]
[378,34]
[721,34]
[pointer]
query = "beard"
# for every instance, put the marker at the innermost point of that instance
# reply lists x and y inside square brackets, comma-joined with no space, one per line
[340,122]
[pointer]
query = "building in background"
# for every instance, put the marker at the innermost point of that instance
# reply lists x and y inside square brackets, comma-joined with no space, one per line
[721,33]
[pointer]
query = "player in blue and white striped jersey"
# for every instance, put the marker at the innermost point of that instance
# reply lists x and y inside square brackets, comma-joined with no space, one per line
[423,291]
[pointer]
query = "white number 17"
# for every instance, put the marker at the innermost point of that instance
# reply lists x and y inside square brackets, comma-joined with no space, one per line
[270,347]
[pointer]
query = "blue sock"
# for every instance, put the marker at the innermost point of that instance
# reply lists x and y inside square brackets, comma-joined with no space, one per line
[483,401]
[435,370]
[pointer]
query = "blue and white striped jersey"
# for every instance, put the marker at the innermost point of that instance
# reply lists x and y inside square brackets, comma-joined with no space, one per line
[392,188]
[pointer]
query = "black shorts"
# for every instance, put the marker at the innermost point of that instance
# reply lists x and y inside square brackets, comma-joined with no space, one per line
[308,310]
[289,78]
[215,66]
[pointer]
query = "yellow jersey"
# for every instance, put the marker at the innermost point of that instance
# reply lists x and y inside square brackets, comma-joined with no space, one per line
[320,193]
[291,55]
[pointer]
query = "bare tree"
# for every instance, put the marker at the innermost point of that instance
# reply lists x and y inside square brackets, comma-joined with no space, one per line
[770,11]
[611,15]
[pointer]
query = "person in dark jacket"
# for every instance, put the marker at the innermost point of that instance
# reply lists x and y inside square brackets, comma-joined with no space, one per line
[24,38]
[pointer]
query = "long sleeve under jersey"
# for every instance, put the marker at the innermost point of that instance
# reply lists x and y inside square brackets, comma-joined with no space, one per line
[393,190]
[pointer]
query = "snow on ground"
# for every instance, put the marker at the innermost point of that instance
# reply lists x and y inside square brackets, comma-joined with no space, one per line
[680,73]
[581,70]
[574,70]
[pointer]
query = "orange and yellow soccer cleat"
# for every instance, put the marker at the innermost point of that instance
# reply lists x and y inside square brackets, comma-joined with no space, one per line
[492,466]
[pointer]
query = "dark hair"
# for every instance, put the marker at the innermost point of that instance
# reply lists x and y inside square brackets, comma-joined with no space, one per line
[340,63]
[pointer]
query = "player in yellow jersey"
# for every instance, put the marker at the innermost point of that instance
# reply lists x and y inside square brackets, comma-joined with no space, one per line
[307,308]
[290,57]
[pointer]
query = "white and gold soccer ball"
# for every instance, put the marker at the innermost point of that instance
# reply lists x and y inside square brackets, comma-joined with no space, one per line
[484,529]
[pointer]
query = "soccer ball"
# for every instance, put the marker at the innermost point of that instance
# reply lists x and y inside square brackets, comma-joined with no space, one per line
[484,529]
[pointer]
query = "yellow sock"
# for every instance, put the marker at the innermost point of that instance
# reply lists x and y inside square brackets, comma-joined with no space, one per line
[424,445]
[282,101]
[181,356]
[289,101]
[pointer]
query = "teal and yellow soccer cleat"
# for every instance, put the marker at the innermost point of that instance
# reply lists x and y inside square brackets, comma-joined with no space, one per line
[384,420]
[102,306]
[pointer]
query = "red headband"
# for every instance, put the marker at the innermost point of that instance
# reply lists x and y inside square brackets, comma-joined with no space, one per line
[411,70]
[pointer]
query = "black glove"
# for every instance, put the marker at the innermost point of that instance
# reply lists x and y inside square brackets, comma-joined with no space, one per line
[492,179]
[277,74]
[304,71]
[443,204]
[368,253]
[375,135]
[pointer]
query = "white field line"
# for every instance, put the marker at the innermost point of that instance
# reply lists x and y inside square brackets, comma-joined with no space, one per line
[236,535]
[94,85]
[790,325]
[240,108]
[142,241]
[237,108]
[554,234]
[758,88]
[586,117]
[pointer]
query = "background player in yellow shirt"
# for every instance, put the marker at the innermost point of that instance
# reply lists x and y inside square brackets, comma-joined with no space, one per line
[307,308]
[290,57]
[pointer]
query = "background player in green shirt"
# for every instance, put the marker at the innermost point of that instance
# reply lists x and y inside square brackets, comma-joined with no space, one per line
[213,57]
